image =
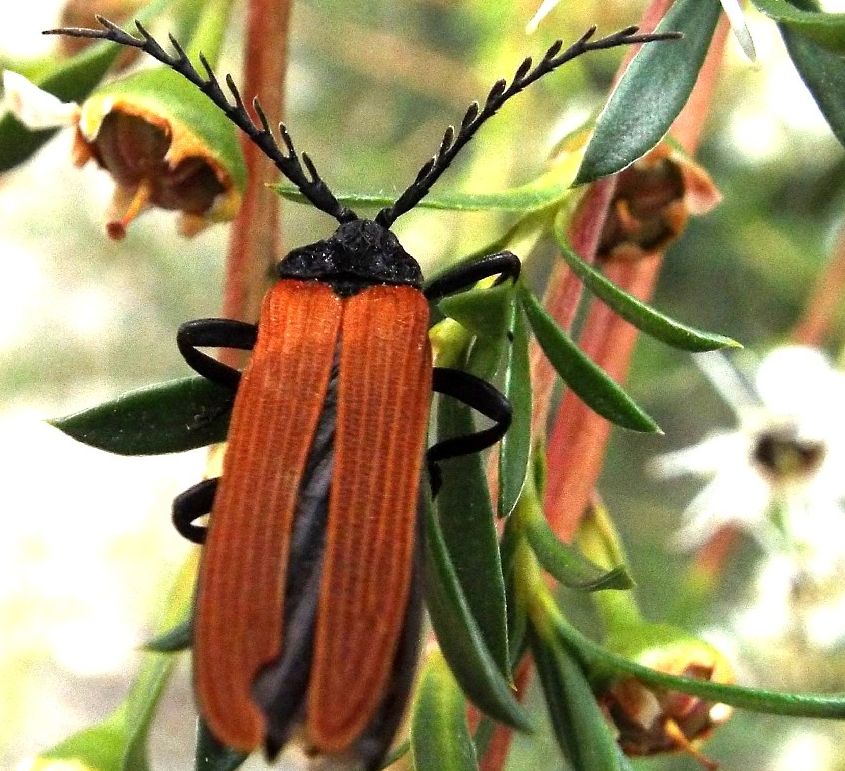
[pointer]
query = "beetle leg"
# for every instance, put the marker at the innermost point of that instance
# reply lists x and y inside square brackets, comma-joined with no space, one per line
[481,396]
[505,264]
[219,333]
[194,503]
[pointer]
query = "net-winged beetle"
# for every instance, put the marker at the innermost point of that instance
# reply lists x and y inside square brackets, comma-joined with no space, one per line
[307,610]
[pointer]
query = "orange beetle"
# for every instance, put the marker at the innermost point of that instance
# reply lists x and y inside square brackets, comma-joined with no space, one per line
[307,611]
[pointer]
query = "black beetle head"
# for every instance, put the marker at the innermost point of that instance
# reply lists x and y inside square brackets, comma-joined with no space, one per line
[358,254]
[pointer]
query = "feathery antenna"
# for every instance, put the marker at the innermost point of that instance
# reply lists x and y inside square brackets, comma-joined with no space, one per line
[451,144]
[311,185]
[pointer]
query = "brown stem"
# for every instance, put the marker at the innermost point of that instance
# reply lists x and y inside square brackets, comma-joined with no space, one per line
[254,242]
[823,304]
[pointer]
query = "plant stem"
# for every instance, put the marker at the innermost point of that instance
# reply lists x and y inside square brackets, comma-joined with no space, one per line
[254,243]
[824,302]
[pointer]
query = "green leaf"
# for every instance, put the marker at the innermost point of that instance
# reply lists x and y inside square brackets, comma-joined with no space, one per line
[805,19]
[823,72]
[71,80]
[755,699]
[541,192]
[461,639]
[592,384]
[168,417]
[483,310]
[567,564]
[211,755]
[652,91]
[582,731]
[642,316]
[120,742]
[515,447]
[468,527]
[179,638]
[440,738]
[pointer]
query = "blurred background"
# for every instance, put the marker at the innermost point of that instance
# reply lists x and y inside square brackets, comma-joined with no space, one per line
[87,550]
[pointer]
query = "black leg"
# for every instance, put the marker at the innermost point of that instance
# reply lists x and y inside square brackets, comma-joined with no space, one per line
[219,333]
[481,396]
[505,264]
[195,502]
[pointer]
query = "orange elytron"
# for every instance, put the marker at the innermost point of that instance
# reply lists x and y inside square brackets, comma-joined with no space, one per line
[307,609]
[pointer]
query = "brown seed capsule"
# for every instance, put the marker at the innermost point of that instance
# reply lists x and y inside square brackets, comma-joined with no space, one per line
[651,720]
[164,148]
[653,200]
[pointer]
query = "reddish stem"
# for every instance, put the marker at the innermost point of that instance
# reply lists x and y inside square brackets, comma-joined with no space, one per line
[254,243]
[823,303]
[578,439]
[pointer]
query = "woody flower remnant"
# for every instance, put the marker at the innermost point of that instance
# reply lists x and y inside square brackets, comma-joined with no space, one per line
[652,202]
[651,720]
[158,138]
[778,472]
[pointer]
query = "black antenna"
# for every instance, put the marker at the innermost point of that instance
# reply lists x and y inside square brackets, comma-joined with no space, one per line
[314,189]
[451,144]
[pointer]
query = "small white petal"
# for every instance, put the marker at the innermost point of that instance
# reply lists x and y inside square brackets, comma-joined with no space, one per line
[543,11]
[34,107]
[733,11]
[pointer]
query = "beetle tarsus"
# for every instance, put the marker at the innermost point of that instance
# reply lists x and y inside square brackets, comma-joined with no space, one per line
[504,264]
[192,504]
[216,333]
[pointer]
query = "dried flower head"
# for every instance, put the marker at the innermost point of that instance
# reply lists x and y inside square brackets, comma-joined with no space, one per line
[652,202]
[650,720]
[162,141]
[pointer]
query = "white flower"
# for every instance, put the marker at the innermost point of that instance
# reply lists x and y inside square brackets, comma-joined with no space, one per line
[779,472]
[34,107]
[733,10]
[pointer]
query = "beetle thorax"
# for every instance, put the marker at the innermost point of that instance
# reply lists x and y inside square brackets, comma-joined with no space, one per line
[358,254]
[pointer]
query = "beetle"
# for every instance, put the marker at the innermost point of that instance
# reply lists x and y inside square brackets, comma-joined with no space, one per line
[307,608]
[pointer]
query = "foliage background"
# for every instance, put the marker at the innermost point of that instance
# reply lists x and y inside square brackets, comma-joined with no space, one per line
[87,549]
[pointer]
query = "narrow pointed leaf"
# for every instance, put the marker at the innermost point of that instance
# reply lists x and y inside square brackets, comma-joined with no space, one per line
[211,755]
[468,527]
[823,72]
[642,316]
[594,656]
[440,735]
[652,91]
[545,190]
[460,637]
[568,565]
[592,384]
[515,447]
[179,638]
[805,19]
[168,417]
[581,729]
